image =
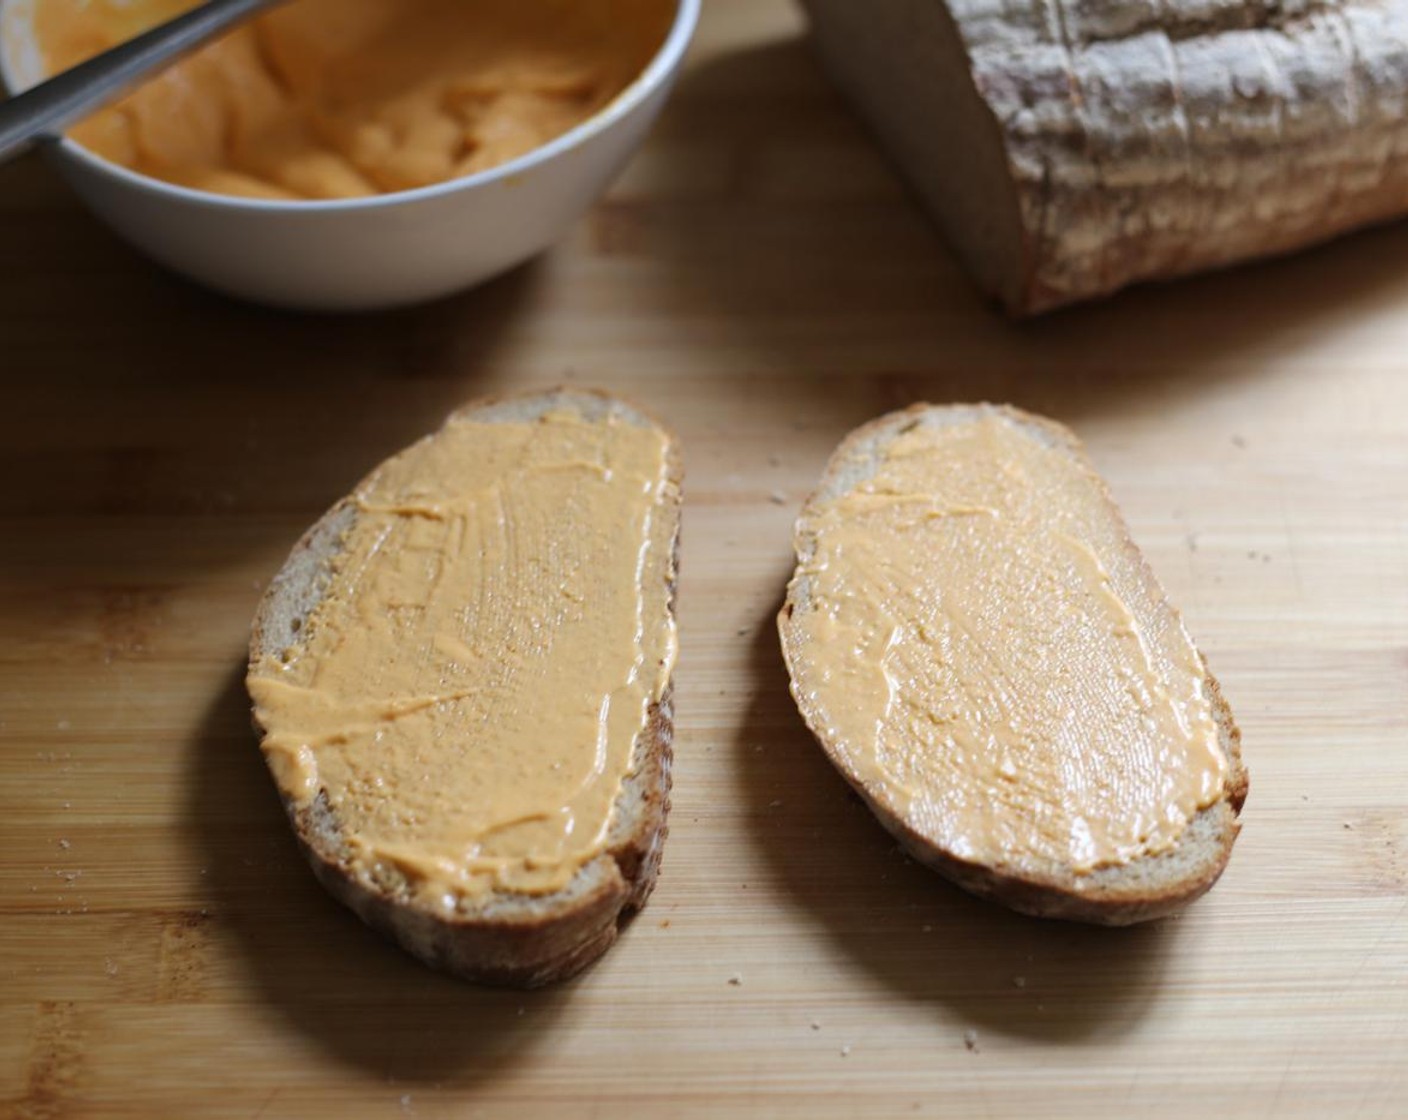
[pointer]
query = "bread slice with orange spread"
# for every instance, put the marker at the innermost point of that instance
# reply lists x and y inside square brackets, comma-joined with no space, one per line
[463,680]
[985,655]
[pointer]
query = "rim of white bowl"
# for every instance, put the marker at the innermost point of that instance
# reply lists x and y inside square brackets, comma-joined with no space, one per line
[659,70]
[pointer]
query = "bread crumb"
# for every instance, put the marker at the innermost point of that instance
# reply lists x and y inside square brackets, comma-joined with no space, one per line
[778,498]
[1019,981]
[735,981]
[110,967]
[406,1106]
[816,1026]
[846,1051]
[665,924]
[743,631]
[1348,826]
[970,1041]
[65,845]
[778,805]
[63,725]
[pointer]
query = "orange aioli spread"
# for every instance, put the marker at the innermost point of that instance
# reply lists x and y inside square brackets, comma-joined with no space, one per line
[490,644]
[988,658]
[327,99]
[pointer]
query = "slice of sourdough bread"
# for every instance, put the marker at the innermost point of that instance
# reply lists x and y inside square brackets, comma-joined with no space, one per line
[505,936]
[970,641]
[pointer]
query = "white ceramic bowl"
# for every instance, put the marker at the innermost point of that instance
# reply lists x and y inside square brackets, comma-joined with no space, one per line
[360,254]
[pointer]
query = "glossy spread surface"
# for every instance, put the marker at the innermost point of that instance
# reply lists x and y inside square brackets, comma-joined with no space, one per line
[489,646]
[983,651]
[345,98]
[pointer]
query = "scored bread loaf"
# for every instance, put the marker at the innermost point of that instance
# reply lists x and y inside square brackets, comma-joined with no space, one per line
[504,935]
[999,694]
[1069,149]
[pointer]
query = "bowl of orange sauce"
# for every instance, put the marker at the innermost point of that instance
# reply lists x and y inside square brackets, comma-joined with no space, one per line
[358,154]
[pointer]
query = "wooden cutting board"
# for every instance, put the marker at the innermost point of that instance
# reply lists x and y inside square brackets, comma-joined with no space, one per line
[760,280]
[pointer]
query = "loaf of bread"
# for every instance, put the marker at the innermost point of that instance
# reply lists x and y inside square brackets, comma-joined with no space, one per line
[985,656]
[1069,149]
[463,679]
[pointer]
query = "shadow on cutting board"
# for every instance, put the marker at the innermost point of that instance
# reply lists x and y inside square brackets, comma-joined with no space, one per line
[795,242]
[158,398]
[348,991]
[920,937]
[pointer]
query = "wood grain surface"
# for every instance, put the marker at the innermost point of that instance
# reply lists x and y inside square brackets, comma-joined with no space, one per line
[759,279]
